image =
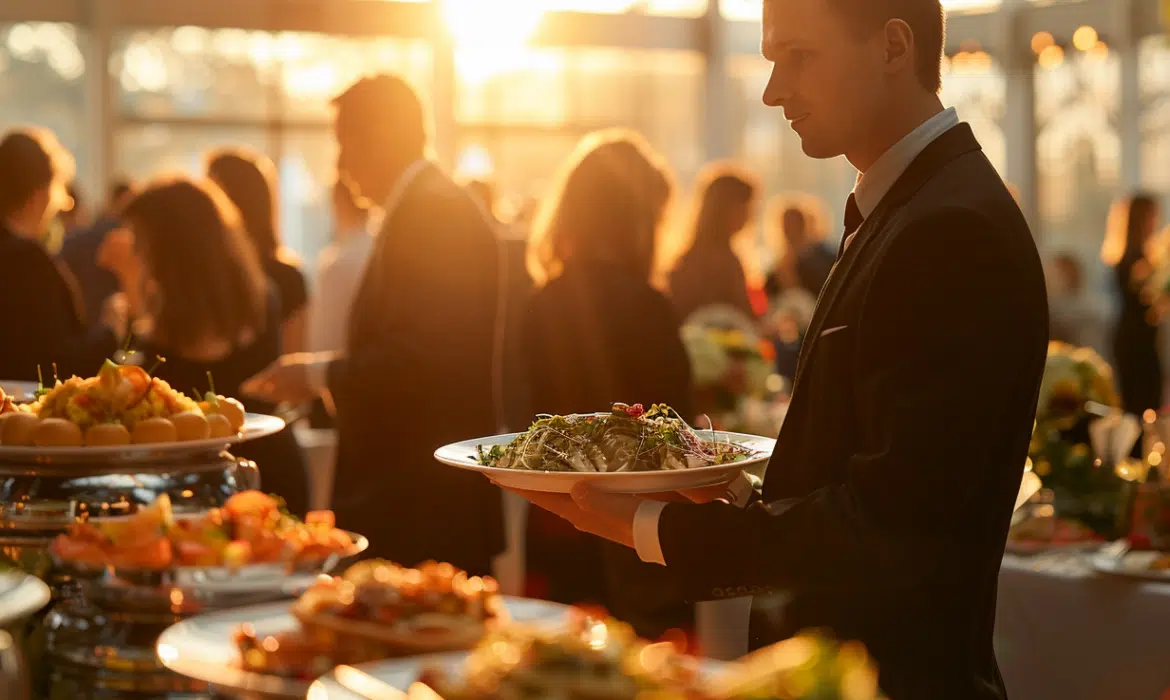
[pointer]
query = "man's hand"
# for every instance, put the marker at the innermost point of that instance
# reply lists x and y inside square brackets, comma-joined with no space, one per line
[607,514]
[602,513]
[289,379]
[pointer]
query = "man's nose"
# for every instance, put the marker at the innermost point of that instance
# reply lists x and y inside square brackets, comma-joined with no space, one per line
[777,89]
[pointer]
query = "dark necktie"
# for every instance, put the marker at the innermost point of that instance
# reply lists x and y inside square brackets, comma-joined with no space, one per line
[853,221]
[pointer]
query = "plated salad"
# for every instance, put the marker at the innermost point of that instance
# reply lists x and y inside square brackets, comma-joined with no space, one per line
[605,660]
[627,439]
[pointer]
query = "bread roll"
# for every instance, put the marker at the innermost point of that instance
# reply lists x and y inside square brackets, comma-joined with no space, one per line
[190,425]
[56,432]
[153,430]
[16,429]
[220,426]
[107,435]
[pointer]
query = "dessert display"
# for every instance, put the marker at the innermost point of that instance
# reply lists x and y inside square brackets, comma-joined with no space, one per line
[250,529]
[122,405]
[627,439]
[377,610]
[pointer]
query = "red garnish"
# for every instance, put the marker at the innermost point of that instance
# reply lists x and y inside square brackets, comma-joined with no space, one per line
[635,410]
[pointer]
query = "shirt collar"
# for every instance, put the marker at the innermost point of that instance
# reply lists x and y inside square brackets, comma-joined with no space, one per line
[874,183]
[398,190]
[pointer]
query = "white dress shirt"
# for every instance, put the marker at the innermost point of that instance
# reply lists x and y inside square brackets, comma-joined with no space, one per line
[340,269]
[318,371]
[871,187]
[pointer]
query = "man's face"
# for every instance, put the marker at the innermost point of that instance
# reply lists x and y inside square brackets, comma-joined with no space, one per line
[825,77]
[353,153]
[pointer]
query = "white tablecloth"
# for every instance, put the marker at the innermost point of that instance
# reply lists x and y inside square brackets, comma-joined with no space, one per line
[1064,632]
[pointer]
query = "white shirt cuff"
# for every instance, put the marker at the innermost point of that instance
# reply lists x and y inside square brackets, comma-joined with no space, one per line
[646,542]
[646,532]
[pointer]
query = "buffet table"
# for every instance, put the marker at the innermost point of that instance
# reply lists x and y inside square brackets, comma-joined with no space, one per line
[1065,632]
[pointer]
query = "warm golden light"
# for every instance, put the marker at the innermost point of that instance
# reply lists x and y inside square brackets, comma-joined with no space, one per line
[490,36]
[1051,57]
[1041,41]
[1085,38]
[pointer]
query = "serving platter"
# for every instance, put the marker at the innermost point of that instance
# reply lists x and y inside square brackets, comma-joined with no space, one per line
[1117,561]
[255,426]
[465,455]
[202,647]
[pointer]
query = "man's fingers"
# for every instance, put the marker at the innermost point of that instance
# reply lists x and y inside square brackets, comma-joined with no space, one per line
[619,507]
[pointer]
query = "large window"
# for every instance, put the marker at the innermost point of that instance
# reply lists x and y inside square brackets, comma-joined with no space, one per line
[42,70]
[527,111]
[1078,148]
[187,90]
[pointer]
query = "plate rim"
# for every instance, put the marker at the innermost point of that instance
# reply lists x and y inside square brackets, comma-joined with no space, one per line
[764,452]
[262,425]
[1110,565]
[31,593]
[238,679]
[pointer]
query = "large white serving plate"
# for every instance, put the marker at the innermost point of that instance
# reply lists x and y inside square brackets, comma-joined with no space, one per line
[256,425]
[202,647]
[21,595]
[19,390]
[1118,562]
[465,455]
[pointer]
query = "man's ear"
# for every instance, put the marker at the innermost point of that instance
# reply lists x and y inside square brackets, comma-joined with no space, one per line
[899,46]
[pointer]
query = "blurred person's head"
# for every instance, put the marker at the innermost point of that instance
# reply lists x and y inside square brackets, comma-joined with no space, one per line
[726,195]
[852,74]
[797,220]
[200,276]
[34,172]
[118,195]
[248,179]
[606,206]
[1133,220]
[1067,275]
[349,211]
[380,126]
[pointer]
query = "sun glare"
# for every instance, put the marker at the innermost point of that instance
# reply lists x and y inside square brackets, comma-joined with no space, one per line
[490,36]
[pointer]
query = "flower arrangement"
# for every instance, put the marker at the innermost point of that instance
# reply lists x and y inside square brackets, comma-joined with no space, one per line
[733,370]
[1076,389]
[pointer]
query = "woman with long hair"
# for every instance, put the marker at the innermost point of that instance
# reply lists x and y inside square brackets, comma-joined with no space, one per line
[200,300]
[1130,229]
[40,306]
[249,181]
[710,273]
[598,332]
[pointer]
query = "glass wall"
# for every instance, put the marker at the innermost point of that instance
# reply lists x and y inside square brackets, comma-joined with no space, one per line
[186,90]
[42,83]
[526,111]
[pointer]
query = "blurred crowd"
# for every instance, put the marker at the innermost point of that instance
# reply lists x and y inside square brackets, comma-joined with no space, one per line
[598,276]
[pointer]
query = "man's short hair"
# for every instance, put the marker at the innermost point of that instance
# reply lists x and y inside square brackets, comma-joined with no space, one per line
[925,18]
[384,99]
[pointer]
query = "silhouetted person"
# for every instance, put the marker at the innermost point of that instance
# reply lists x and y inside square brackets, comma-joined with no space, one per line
[418,369]
[1132,224]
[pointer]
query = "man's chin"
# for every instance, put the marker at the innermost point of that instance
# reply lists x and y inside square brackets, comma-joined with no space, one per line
[817,149]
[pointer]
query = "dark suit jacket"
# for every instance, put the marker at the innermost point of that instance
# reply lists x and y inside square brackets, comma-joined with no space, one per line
[887,502]
[419,374]
[39,317]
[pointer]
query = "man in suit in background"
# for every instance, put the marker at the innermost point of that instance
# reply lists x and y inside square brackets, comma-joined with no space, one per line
[887,502]
[419,365]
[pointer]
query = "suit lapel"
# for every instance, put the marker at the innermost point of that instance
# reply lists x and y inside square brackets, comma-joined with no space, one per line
[956,142]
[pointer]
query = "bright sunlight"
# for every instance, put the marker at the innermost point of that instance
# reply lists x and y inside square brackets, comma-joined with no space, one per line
[490,36]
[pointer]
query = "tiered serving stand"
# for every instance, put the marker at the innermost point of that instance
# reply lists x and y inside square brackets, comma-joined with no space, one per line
[97,637]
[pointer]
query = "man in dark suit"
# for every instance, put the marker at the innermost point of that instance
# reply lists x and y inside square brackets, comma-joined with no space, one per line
[418,371]
[887,501]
